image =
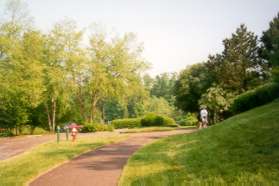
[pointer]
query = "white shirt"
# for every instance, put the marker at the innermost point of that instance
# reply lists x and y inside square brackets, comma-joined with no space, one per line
[204,113]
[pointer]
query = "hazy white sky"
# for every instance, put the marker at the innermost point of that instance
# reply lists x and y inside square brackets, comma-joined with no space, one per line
[175,33]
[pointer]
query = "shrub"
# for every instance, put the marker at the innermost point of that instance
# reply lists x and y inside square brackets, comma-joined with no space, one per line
[103,127]
[190,119]
[167,121]
[255,98]
[88,128]
[126,123]
[26,130]
[5,133]
[96,127]
[152,119]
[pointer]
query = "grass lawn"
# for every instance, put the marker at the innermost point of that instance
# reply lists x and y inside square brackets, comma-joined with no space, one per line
[21,169]
[243,150]
[154,129]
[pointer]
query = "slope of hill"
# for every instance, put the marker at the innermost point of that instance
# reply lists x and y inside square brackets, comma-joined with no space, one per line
[241,150]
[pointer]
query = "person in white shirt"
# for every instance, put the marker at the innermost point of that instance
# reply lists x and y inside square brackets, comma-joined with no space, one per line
[204,117]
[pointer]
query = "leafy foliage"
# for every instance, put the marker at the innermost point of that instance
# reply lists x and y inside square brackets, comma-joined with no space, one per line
[214,83]
[152,119]
[163,86]
[242,68]
[254,98]
[95,127]
[5,133]
[126,123]
[270,50]
[159,106]
[190,119]
[217,102]
[191,84]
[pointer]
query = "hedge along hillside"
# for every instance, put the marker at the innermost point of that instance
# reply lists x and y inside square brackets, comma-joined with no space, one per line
[254,98]
[126,123]
[148,120]
[96,127]
[152,119]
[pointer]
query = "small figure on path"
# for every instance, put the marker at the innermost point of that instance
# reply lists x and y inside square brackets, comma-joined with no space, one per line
[74,130]
[203,117]
[74,134]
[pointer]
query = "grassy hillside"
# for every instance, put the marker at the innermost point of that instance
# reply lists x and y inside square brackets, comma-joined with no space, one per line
[241,150]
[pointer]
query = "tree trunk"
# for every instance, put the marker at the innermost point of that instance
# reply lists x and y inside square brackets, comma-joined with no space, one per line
[93,109]
[103,114]
[48,117]
[53,104]
[81,104]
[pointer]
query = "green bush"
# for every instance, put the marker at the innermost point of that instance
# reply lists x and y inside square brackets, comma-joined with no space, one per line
[103,127]
[26,130]
[190,119]
[255,98]
[5,133]
[88,128]
[126,123]
[152,119]
[167,121]
[95,127]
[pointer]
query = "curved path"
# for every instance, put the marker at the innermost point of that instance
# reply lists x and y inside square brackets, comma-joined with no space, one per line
[101,167]
[13,146]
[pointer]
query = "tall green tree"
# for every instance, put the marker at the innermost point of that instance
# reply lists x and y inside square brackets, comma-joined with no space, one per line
[114,70]
[191,84]
[21,82]
[59,59]
[163,86]
[270,50]
[242,68]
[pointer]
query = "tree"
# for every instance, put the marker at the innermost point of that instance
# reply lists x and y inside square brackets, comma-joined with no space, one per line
[241,68]
[147,82]
[191,84]
[217,102]
[159,106]
[112,110]
[60,52]
[20,68]
[163,86]
[114,70]
[270,49]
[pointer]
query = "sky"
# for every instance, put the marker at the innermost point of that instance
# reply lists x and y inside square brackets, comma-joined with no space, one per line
[174,33]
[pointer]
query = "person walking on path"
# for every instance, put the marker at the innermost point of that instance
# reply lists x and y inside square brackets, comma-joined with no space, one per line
[203,117]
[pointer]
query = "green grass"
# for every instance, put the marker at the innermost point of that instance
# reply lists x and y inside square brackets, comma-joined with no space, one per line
[243,150]
[21,169]
[154,129]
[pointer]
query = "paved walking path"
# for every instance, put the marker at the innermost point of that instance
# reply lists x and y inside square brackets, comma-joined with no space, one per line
[12,146]
[101,167]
